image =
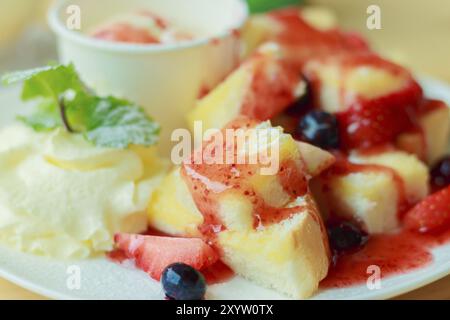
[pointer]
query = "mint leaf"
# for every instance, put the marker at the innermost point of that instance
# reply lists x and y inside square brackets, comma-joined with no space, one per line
[62,100]
[46,82]
[19,76]
[258,6]
[118,123]
[44,118]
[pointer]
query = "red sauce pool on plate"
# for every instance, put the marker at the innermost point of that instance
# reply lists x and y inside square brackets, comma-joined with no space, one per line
[117,256]
[393,253]
[217,273]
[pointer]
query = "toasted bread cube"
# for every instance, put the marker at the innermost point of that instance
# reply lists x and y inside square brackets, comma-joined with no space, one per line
[290,257]
[260,88]
[413,172]
[433,142]
[172,209]
[288,241]
[316,159]
[370,198]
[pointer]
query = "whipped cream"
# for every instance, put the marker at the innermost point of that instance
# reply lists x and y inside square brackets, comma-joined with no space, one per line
[62,197]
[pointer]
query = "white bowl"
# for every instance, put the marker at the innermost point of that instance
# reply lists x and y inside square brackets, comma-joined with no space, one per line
[165,79]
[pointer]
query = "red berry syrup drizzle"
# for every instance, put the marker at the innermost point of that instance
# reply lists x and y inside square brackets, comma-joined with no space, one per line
[392,253]
[302,42]
[209,182]
[393,114]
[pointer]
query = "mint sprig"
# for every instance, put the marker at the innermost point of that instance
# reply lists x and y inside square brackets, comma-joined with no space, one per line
[62,100]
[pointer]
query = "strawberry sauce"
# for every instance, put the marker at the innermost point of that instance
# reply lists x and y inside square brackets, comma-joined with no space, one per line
[272,88]
[208,183]
[392,253]
[302,42]
[217,273]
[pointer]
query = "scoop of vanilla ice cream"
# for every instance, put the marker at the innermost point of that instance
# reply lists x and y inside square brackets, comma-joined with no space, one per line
[60,196]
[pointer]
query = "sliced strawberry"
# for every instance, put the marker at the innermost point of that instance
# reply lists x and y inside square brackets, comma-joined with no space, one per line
[430,215]
[153,253]
[371,123]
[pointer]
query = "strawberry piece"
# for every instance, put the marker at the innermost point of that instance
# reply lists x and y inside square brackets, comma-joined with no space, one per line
[153,253]
[430,215]
[369,123]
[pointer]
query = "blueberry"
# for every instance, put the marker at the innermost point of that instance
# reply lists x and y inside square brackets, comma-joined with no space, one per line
[320,129]
[304,101]
[182,282]
[440,174]
[346,236]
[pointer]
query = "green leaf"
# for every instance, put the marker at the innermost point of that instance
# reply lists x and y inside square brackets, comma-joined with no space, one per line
[19,76]
[41,121]
[52,83]
[258,6]
[46,82]
[44,118]
[118,123]
[62,100]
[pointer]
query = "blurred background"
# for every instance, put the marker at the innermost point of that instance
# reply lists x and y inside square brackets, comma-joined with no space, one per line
[415,33]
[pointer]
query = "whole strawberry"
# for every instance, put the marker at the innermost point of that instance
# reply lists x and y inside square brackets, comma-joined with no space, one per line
[432,215]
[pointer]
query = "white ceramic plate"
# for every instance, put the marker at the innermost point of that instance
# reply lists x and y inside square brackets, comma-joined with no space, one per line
[102,279]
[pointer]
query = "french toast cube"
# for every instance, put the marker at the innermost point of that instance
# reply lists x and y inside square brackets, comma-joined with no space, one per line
[372,196]
[290,257]
[432,143]
[172,209]
[287,252]
[411,170]
[436,127]
[340,84]
[262,87]
[369,198]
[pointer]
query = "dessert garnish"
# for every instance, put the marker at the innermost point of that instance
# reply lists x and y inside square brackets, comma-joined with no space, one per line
[154,253]
[440,173]
[182,282]
[319,128]
[432,215]
[62,100]
[346,236]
